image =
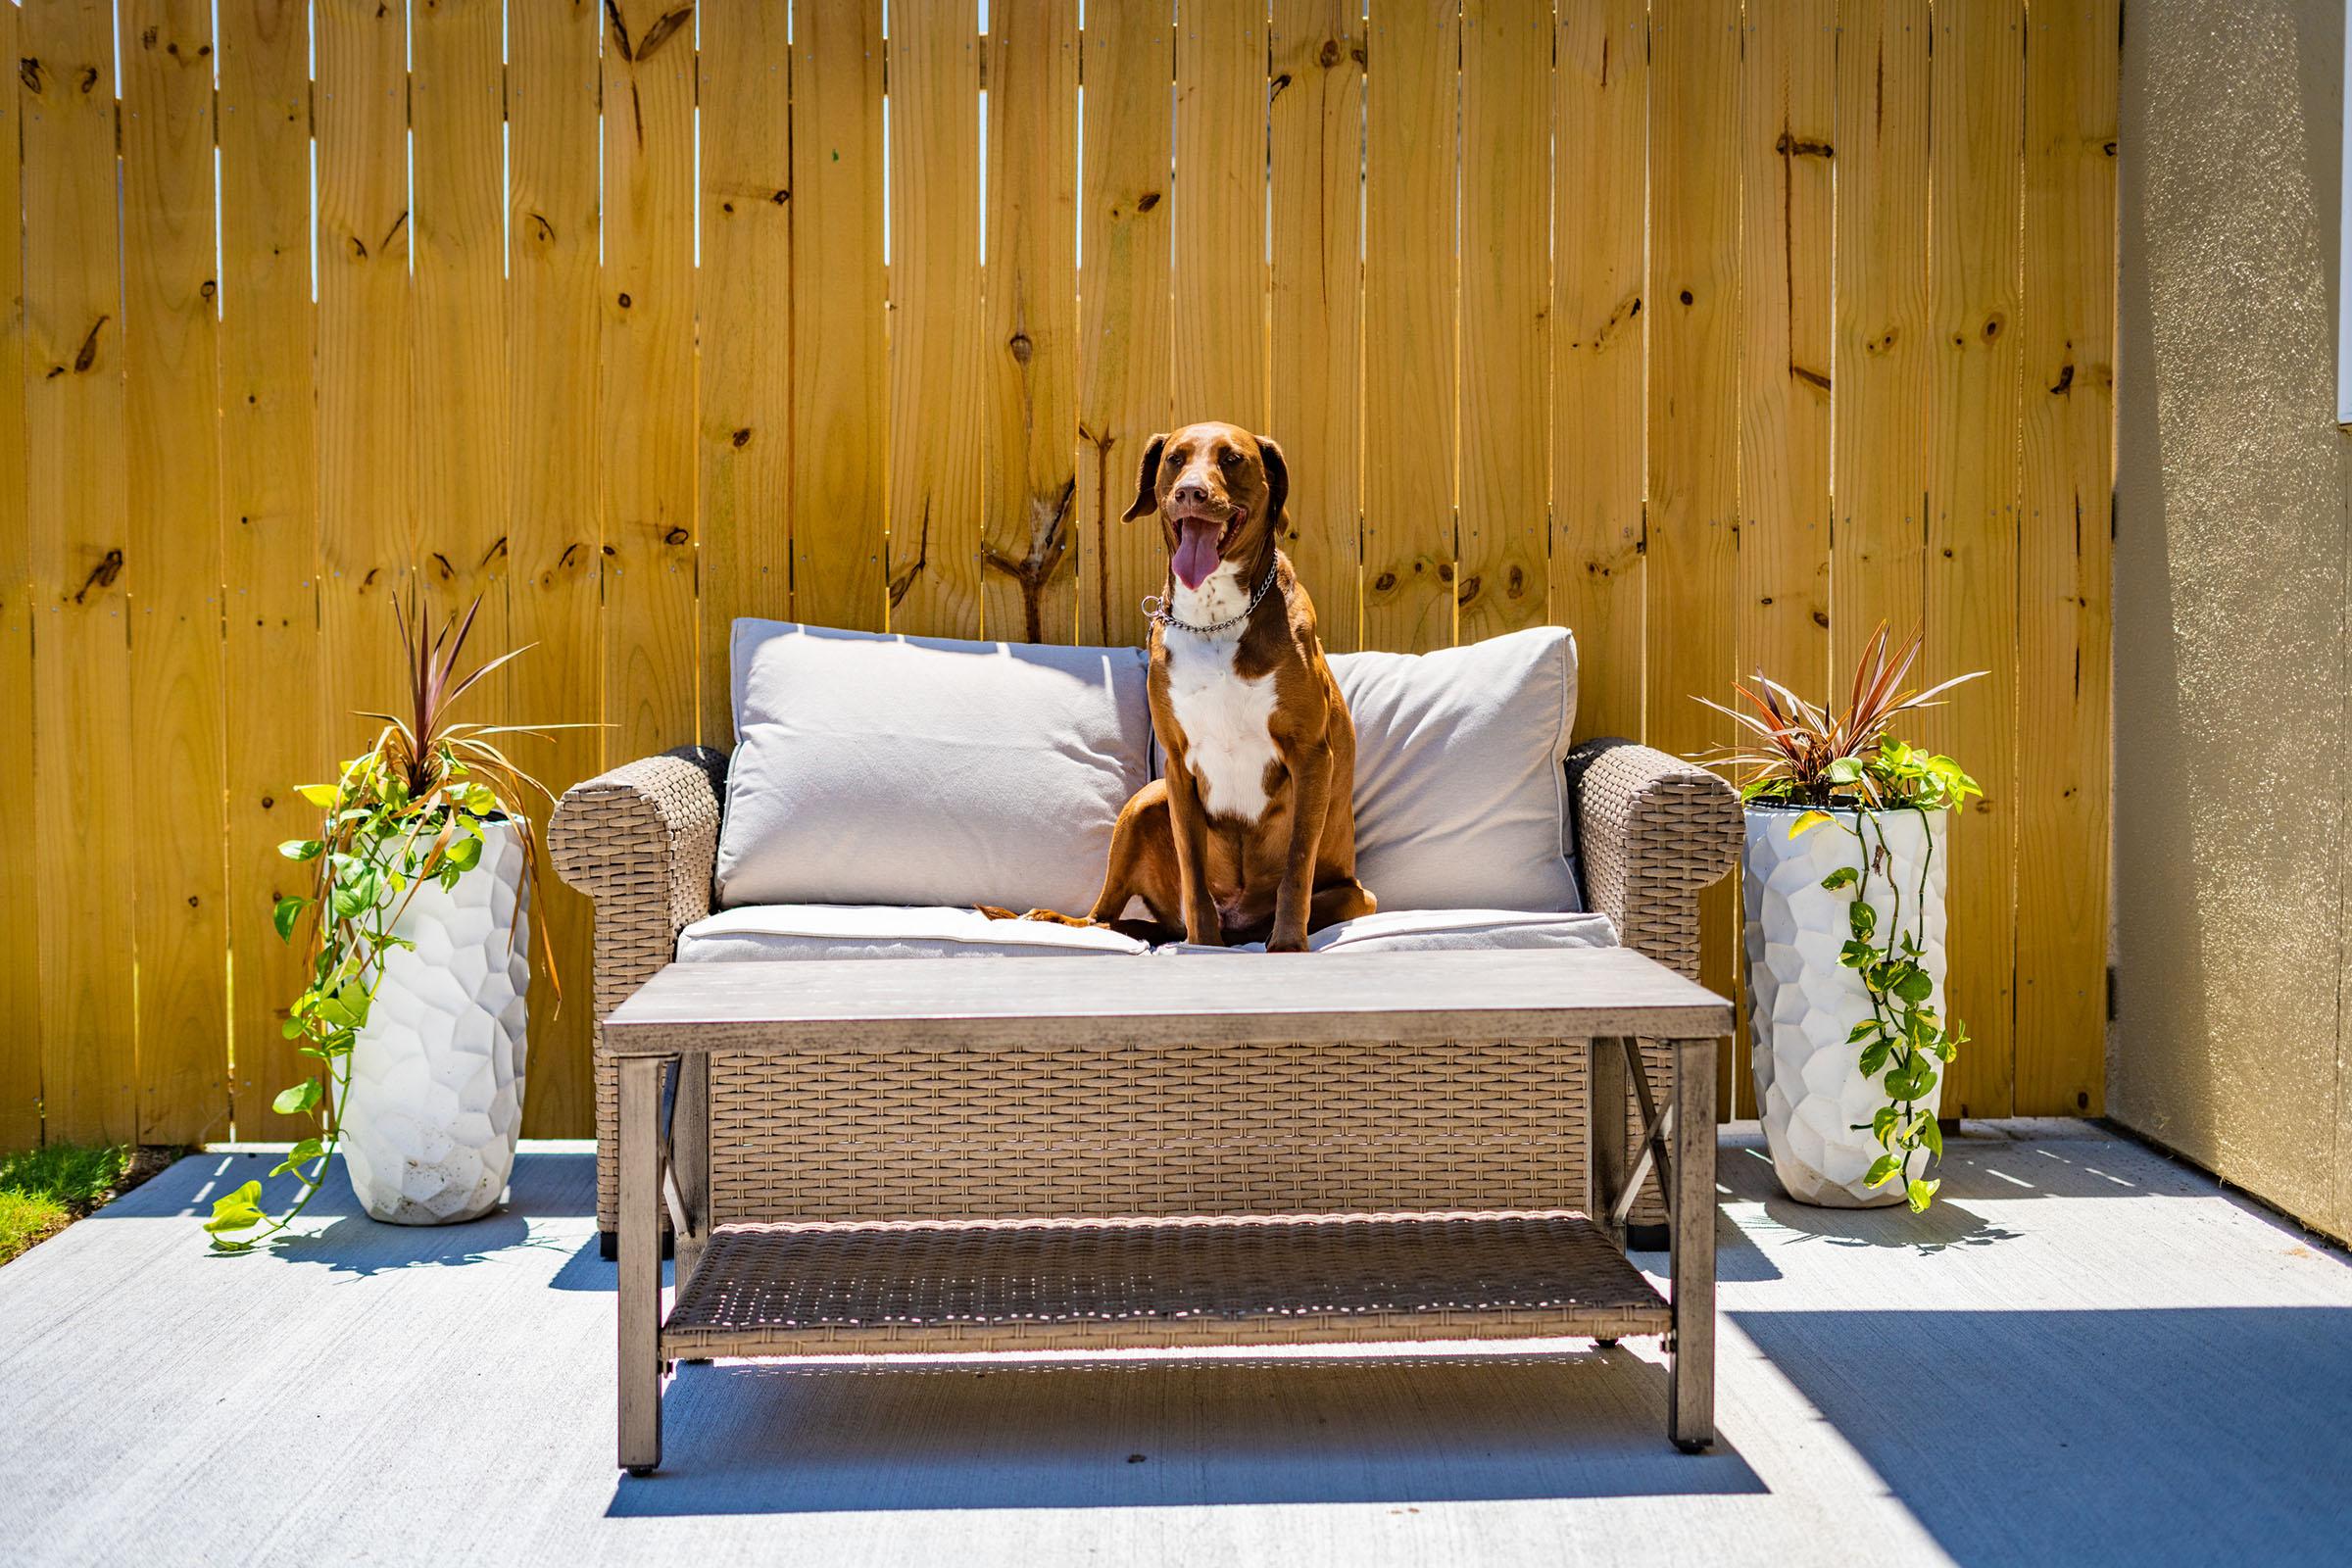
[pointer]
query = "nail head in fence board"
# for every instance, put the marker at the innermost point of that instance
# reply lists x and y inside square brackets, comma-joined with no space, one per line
[1787,135]
[20,879]
[747,315]
[1221,212]
[1124,348]
[2064,551]
[366,473]
[83,749]
[173,448]
[1030,349]
[1976,157]
[935,329]
[1600,315]
[457,95]
[646,395]
[1316,133]
[1693,401]
[555,322]
[269,533]
[840,446]
[1505,368]
[1879,545]
[1411,422]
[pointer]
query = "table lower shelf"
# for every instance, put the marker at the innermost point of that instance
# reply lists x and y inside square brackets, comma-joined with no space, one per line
[1084,1285]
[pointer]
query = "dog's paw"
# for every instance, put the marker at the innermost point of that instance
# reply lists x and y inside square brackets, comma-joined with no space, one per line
[996,912]
[1287,942]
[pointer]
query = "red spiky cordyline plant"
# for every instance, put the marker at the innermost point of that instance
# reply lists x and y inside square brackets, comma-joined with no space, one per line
[1810,756]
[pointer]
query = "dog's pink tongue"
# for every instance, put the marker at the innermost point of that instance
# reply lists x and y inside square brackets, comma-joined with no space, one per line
[1196,554]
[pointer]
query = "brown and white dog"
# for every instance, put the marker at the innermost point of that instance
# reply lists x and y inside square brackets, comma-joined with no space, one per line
[1250,833]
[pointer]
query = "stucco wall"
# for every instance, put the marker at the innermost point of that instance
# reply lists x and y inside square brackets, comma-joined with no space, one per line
[2230,642]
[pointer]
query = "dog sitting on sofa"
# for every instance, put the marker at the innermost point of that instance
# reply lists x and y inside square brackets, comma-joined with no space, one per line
[1250,834]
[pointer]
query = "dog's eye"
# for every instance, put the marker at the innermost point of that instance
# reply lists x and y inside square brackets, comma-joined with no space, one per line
[1229,459]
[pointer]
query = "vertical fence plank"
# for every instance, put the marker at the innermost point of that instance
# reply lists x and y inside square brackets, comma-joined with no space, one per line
[1879,545]
[83,749]
[1409,323]
[20,881]
[553,334]
[1220,304]
[268,526]
[458,233]
[1505,366]
[1600,93]
[2064,547]
[1125,346]
[1030,565]
[839,448]
[1316,133]
[1693,401]
[935,481]
[169,326]
[745,305]
[366,499]
[1976,154]
[1787,132]
[1787,124]
[645,399]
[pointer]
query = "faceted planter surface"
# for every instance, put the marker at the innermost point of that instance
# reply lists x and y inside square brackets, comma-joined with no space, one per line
[1803,1003]
[437,1077]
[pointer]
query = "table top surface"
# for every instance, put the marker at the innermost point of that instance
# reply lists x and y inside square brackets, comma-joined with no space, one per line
[884,1004]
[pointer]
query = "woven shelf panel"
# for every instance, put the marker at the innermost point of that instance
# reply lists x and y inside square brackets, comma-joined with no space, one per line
[1109,1129]
[798,1288]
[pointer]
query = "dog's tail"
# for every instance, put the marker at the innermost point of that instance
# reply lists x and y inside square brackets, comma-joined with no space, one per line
[1150,931]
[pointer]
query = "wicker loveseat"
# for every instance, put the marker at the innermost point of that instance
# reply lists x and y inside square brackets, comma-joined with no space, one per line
[1642,831]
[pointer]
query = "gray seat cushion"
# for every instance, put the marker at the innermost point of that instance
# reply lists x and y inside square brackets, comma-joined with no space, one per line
[1445,930]
[883,931]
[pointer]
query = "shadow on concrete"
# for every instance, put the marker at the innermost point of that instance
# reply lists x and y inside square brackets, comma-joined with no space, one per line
[2172,1436]
[544,1186]
[769,1438]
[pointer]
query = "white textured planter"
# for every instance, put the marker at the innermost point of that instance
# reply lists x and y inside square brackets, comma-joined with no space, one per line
[437,1077]
[1803,1003]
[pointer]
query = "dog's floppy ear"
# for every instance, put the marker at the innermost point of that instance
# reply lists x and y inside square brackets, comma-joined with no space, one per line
[1147,481]
[1278,479]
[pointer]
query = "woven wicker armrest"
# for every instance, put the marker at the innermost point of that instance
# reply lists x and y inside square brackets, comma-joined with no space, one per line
[641,841]
[1651,831]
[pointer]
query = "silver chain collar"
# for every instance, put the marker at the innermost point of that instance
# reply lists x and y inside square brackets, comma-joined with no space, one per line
[1156,609]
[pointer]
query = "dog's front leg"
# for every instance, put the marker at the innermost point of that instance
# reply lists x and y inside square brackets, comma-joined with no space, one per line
[1189,827]
[1311,803]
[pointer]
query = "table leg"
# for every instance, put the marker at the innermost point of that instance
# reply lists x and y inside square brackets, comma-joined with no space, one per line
[1691,1365]
[690,1162]
[1604,1134]
[640,1263]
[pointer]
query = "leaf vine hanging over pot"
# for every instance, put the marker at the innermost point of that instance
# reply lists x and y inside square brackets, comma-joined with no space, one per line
[1841,770]
[406,813]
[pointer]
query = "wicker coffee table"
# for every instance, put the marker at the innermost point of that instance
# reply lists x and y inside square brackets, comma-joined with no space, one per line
[1324,1148]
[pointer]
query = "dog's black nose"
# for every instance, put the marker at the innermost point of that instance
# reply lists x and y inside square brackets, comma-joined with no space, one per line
[1191,495]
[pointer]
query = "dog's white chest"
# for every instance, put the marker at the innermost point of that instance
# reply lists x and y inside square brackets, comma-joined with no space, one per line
[1226,720]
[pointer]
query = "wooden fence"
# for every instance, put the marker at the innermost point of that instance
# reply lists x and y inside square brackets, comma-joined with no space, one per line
[1716,332]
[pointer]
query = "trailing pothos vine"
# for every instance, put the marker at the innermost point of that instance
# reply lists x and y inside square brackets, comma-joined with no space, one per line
[1851,776]
[407,811]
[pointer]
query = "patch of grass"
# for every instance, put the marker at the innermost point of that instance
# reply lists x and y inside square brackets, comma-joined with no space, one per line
[44,1190]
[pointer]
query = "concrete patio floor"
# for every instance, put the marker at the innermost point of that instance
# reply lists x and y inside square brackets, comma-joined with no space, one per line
[2085,1353]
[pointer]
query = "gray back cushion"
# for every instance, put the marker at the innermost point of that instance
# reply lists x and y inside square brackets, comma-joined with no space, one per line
[1458,790]
[882,769]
